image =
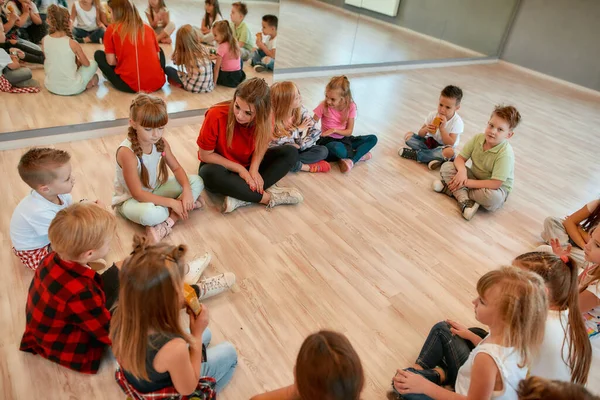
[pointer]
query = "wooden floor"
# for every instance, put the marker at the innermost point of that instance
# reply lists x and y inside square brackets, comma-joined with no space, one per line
[375,254]
[44,109]
[340,37]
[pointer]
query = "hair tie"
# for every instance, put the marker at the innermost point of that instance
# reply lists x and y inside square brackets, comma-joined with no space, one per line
[565,258]
[162,154]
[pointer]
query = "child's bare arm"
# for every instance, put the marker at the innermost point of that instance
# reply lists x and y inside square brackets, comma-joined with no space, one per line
[73,13]
[588,301]
[345,132]
[484,184]
[573,227]
[424,130]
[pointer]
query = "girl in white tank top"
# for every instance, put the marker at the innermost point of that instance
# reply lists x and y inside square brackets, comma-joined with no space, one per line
[144,193]
[512,302]
[63,76]
[89,21]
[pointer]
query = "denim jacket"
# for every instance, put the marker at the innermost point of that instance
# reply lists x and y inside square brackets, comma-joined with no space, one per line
[304,139]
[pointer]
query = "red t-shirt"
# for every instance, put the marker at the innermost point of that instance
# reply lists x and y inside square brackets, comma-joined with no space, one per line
[213,136]
[151,76]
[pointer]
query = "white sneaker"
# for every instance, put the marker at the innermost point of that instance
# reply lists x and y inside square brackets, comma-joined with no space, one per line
[196,268]
[468,209]
[217,284]
[283,195]
[231,203]
[437,186]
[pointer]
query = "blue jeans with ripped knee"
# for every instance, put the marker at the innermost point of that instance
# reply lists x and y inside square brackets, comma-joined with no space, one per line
[424,153]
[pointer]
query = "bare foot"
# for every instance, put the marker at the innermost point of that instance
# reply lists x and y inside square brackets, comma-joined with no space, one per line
[87,39]
[93,82]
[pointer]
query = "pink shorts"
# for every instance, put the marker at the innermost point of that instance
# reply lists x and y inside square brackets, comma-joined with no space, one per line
[31,258]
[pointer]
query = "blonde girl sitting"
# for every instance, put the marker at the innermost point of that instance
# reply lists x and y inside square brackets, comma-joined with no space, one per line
[144,193]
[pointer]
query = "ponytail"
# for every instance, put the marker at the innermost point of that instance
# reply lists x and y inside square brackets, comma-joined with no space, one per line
[561,278]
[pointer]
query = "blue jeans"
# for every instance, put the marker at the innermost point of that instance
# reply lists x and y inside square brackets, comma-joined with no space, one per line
[221,361]
[424,153]
[95,36]
[441,349]
[361,145]
[256,59]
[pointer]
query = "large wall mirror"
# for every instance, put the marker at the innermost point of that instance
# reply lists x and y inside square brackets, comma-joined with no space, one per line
[23,115]
[325,33]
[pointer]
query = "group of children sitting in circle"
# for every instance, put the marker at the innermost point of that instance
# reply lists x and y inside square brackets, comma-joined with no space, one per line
[540,312]
[132,60]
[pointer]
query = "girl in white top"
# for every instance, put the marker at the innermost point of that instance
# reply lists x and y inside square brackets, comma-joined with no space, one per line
[89,21]
[212,14]
[159,19]
[68,70]
[512,302]
[144,193]
[566,353]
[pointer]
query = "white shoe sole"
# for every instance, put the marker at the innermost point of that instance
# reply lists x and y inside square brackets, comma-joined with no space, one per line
[469,213]
[193,277]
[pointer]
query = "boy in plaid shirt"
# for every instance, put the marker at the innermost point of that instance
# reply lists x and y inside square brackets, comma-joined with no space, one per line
[48,173]
[68,302]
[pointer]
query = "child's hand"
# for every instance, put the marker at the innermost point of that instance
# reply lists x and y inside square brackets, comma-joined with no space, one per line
[458,329]
[199,323]
[12,17]
[459,180]
[431,128]
[306,123]
[187,200]
[328,132]
[443,120]
[177,207]
[563,253]
[406,382]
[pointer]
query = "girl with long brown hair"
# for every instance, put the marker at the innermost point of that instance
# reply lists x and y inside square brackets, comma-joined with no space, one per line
[228,62]
[327,367]
[573,230]
[144,193]
[159,19]
[132,60]
[194,68]
[233,154]
[153,350]
[212,14]
[566,352]
[512,302]
[337,114]
[68,70]
[293,126]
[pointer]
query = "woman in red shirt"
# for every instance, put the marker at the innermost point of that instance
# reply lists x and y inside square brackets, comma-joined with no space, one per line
[131,60]
[234,160]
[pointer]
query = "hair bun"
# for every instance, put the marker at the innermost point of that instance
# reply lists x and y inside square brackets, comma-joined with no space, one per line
[140,243]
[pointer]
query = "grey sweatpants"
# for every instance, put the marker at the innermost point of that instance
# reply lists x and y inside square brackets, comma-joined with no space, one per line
[490,199]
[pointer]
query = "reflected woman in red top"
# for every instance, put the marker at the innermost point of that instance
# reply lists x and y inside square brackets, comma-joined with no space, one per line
[131,60]
[233,154]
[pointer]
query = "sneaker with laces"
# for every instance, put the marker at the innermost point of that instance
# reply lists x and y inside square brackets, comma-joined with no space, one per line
[231,203]
[321,166]
[434,164]
[196,268]
[215,285]
[346,165]
[408,153]
[438,185]
[260,68]
[282,195]
[158,232]
[468,208]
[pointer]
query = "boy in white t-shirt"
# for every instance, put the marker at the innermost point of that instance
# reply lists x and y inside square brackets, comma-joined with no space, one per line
[440,134]
[48,173]
[263,57]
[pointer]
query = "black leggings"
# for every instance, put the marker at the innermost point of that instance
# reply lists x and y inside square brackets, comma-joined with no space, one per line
[276,163]
[109,71]
[32,54]
[34,33]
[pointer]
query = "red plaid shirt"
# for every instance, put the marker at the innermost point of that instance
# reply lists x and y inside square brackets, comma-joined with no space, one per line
[67,319]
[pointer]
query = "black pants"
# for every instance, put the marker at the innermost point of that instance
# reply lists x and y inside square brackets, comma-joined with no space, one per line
[110,284]
[231,78]
[173,75]
[109,71]
[32,54]
[276,163]
[34,33]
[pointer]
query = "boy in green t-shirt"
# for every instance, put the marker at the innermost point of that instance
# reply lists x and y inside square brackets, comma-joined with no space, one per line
[240,29]
[490,179]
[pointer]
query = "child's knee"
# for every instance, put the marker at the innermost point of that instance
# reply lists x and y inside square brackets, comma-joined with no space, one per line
[448,153]
[448,167]
[151,214]
[336,149]
[408,136]
[196,183]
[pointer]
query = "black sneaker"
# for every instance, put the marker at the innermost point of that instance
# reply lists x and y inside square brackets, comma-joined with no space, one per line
[408,153]
[468,208]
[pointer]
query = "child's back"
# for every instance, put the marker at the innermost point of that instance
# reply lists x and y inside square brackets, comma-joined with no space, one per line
[67,313]
[60,66]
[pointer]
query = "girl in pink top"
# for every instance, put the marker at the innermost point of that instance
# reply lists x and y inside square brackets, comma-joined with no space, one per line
[337,113]
[228,62]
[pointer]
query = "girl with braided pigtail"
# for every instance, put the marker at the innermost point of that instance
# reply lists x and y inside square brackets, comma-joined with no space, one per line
[144,193]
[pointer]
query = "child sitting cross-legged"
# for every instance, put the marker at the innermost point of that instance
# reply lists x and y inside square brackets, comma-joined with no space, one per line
[490,179]
[435,142]
[68,302]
